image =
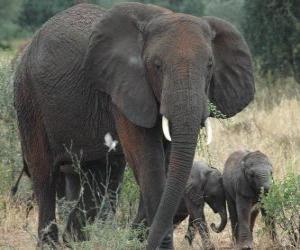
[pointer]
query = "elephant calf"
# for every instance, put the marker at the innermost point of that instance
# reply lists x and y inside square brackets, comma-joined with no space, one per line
[204,186]
[245,175]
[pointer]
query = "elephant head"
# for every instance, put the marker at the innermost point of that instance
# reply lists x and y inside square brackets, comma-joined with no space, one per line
[257,170]
[214,196]
[155,63]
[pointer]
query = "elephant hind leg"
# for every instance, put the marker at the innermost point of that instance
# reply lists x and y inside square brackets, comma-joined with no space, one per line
[44,186]
[39,159]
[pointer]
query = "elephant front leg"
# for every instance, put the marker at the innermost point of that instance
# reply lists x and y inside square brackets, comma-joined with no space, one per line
[196,212]
[87,208]
[190,234]
[245,239]
[254,214]
[139,223]
[144,152]
[233,217]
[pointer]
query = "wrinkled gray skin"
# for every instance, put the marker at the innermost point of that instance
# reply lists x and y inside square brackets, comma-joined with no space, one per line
[245,175]
[204,186]
[88,71]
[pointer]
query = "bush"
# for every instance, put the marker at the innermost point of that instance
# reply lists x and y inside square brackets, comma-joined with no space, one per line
[10,150]
[272,28]
[36,12]
[9,11]
[282,204]
[230,10]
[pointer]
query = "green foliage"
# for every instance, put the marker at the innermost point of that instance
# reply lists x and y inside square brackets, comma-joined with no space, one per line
[282,204]
[129,197]
[195,7]
[272,28]
[9,151]
[35,12]
[229,10]
[9,11]
[216,113]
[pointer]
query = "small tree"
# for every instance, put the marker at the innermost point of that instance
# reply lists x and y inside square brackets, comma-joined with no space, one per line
[36,12]
[229,10]
[272,28]
[9,11]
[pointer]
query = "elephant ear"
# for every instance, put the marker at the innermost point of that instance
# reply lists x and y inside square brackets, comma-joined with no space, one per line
[114,63]
[232,86]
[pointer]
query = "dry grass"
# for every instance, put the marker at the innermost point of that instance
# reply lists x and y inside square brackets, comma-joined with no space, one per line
[270,124]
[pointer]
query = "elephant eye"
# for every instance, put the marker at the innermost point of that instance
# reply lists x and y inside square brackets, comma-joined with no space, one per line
[157,64]
[210,63]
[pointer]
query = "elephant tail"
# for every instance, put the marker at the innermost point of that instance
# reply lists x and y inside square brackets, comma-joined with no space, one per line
[14,189]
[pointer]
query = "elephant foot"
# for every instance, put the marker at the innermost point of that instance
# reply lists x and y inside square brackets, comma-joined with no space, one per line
[75,224]
[49,238]
[189,239]
[140,231]
[245,246]
[167,243]
[208,245]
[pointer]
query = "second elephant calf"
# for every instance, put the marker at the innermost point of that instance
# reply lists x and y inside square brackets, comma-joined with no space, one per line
[246,175]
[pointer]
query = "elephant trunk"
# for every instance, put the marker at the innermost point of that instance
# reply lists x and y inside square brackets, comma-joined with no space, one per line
[220,228]
[181,159]
[184,103]
[184,132]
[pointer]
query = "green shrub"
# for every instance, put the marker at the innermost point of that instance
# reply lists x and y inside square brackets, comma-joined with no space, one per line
[129,198]
[272,29]
[36,12]
[9,11]
[282,204]
[9,143]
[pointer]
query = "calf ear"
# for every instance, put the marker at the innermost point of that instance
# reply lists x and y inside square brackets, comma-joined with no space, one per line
[232,85]
[114,62]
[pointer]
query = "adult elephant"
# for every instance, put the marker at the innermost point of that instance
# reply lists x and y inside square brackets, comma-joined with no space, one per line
[88,72]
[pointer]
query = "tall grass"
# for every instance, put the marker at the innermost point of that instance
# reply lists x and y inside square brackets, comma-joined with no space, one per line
[270,124]
[9,145]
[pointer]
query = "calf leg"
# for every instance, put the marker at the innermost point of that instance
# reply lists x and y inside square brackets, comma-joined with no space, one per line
[233,218]
[254,214]
[243,207]
[198,220]
[191,232]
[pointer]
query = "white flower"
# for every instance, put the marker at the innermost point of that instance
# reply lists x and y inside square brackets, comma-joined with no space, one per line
[109,142]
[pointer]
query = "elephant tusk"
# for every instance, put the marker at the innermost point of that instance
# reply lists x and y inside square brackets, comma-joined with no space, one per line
[165,128]
[208,131]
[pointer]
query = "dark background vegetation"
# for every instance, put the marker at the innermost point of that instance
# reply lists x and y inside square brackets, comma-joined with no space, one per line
[271,27]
